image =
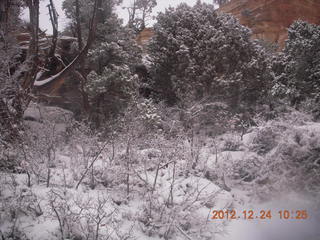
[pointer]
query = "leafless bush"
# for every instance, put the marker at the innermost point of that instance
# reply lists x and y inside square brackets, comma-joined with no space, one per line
[247,169]
[83,144]
[294,163]
[180,215]
[230,142]
[266,138]
[84,217]
[16,202]
[39,149]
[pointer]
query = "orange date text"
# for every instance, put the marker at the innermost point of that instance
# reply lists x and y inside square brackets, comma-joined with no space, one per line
[259,215]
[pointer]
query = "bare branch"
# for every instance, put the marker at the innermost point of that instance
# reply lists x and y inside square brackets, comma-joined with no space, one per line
[82,54]
[54,22]
[91,164]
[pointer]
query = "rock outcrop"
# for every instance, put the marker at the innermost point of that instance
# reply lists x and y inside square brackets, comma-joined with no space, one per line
[144,36]
[63,92]
[269,19]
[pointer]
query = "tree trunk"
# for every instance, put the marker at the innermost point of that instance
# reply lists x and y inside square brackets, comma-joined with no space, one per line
[33,52]
[78,26]
[54,22]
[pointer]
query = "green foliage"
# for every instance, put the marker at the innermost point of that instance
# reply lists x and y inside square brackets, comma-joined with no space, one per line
[297,69]
[107,20]
[112,90]
[197,52]
[150,114]
[110,83]
[112,77]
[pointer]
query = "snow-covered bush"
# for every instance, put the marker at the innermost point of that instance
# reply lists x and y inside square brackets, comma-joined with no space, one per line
[45,132]
[150,114]
[294,163]
[230,142]
[266,138]
[16,202]
[81,216]
[108,70]
[182,206]
[11,68]
[247,169]
[198,52]
[298,67]
[39,149]
[288,156]
[111,83]
[84,146]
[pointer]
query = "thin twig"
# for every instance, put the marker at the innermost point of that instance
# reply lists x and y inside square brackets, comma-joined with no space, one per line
[183,233]
[91,164]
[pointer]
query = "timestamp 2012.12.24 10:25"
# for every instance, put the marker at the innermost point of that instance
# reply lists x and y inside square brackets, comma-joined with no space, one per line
[259,215]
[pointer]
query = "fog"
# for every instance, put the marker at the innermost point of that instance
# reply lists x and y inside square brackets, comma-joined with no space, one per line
[277,229]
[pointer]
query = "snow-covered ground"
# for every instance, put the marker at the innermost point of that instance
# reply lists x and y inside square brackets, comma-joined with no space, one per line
[100,190]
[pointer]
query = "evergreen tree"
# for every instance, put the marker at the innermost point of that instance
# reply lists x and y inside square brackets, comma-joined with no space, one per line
[111,62]
[197,52]
[298,67]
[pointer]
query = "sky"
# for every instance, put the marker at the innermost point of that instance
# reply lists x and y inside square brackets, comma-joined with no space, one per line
[45,21]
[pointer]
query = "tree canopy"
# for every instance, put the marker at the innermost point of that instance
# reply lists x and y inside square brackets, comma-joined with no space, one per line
[196,53]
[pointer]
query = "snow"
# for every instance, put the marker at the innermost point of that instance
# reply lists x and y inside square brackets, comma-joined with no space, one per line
[150,153]
[44,82]
[232,156]
[248,138]
[67,38]
[32,113]
[276,228]
[43,229]
[41,113]
[194,195]
[39,75]
[311,127]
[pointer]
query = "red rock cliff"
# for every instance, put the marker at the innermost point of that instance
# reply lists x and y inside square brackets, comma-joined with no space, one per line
[144,36]
[269,19]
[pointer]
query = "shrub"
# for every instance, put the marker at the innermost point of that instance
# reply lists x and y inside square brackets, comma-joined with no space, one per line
[265,139]
[291,160]
[298,67]
[197,52]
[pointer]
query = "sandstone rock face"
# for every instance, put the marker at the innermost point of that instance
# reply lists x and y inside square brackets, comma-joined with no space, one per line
[61,92]
[269,19]
[144,36]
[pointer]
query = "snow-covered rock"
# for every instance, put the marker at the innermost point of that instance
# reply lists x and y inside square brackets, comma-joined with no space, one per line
[32,113]
[40,113]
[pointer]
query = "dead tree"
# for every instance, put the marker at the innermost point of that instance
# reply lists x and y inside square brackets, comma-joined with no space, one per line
[80,74]
[78,26]
[54,22]
[84,51]
[33,53]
